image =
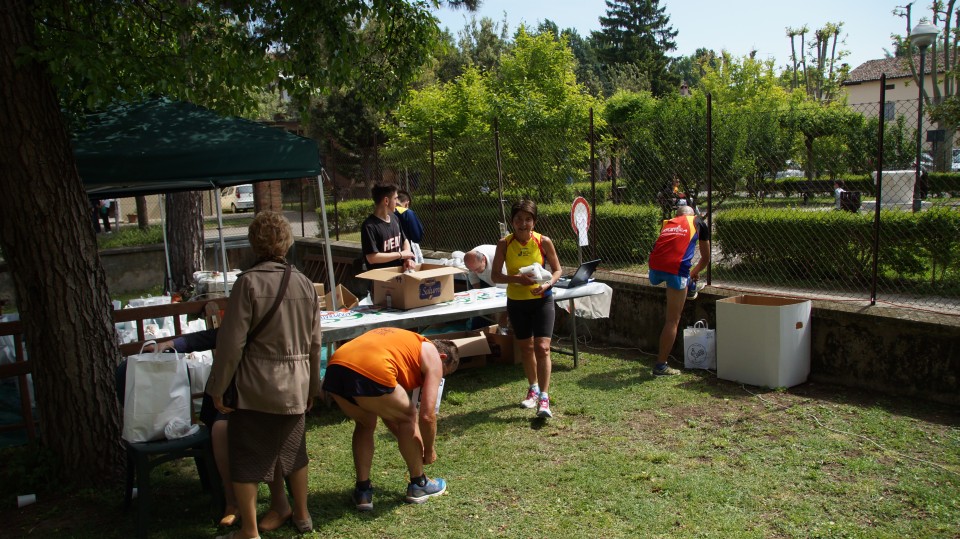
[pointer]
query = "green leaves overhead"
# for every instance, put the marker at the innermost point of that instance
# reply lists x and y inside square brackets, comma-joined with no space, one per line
[541,110]
[218,53]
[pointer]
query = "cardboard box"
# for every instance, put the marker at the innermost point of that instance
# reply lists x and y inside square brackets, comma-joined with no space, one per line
[763,341]
[472,346]
[503,348]
[347,299]
[429,285]
[320,295]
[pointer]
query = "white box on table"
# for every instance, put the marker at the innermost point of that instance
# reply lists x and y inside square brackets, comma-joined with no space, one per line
[763,341]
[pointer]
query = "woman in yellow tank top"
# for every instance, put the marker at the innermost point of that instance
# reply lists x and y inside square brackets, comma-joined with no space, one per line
[529,301]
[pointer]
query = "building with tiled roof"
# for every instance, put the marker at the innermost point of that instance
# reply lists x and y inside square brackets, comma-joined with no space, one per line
[863,83]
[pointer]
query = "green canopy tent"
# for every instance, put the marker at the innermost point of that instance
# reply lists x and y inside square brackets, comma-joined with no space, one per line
[163,146]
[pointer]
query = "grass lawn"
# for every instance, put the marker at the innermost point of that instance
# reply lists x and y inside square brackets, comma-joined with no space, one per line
[626,455]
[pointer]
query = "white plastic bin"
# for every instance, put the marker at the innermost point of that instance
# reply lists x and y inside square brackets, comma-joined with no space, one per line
[897,188]
[763,341]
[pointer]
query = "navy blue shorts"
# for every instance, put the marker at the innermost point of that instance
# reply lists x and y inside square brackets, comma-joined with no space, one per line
[531,317]
[348,383]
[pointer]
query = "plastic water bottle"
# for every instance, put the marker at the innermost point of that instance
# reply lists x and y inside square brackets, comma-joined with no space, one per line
[389,300]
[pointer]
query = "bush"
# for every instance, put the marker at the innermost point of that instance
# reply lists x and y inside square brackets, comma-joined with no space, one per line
[840,243]
[131,237]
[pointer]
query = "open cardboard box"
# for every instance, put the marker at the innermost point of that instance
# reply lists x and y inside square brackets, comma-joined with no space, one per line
[472,346]
[502,347]
[428,285]
[347,299]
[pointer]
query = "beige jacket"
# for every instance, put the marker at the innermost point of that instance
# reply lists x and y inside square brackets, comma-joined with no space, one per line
[280,369]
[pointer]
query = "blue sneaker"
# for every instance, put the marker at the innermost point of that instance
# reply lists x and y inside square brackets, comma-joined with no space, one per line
[363,499]
[418,494]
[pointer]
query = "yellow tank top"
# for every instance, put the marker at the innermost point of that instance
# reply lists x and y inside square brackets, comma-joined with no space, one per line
[519,255]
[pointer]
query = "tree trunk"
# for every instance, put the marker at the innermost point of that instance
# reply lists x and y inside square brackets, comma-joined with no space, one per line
[143,214]
[60,283]
[793,57]
[184,237]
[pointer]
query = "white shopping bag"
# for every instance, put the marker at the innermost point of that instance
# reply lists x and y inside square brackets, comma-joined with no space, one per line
[199,365]
[699,347]
[157,391]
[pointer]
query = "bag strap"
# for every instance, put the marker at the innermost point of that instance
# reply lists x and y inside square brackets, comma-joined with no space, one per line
[276,305]
[701,324]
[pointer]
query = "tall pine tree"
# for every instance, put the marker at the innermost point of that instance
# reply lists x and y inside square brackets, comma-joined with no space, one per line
[638,32]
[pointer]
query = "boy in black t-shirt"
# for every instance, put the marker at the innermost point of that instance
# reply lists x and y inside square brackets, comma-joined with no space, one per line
[382,240]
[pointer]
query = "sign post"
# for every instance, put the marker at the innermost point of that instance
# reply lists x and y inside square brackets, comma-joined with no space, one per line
[580,221]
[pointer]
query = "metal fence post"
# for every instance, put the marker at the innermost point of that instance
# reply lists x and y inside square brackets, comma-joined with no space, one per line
[876,208]
[433,187]
[593,187]
[710,180]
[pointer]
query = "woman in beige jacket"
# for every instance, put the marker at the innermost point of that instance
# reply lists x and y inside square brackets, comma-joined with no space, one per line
[277,376]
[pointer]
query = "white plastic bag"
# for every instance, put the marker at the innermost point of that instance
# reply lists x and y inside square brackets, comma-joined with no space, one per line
[199,365]
[700,347]
[156,392]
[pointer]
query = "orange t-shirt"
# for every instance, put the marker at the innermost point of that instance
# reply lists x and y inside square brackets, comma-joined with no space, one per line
[388,356]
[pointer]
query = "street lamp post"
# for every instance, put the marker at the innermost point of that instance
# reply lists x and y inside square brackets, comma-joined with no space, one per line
[922,36]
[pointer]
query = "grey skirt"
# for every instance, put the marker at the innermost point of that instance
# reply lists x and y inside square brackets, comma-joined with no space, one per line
[260,443]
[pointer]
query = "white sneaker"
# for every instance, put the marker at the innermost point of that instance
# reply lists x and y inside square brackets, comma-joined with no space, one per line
[544,408]
[531,401]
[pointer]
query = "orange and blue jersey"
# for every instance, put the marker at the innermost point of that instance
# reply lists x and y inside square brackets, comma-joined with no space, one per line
[519,255]
[674,250]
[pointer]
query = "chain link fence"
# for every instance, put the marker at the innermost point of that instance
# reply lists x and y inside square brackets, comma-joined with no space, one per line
[790,195]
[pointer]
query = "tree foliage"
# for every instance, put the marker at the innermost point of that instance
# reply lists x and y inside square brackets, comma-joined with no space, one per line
[540,109]
[638,32]
[816,70]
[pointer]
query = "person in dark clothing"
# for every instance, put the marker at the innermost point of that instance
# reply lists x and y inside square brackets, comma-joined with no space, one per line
[382,240]
[410,224]
[101,212]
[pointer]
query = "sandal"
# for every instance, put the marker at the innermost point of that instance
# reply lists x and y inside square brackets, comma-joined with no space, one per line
[230,516]
[305,525]
[272,520]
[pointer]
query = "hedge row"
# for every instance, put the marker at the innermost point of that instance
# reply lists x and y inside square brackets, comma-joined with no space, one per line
[937,182]
[628,232]
[771,243]
[833,244]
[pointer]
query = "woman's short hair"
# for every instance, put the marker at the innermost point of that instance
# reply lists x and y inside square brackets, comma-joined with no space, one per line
[453,354]
[270,234]
[526,205]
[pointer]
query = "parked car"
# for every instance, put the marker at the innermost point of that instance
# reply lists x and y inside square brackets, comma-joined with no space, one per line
[237,198]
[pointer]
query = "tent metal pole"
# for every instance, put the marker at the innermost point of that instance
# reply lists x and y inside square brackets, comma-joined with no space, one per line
[166,247]
[335,304]
[223,247]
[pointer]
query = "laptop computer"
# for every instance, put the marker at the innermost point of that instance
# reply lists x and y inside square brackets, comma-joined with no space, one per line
[581,277]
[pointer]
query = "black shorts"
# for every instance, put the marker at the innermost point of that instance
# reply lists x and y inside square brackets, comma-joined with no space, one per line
[348,383]
[531,317]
